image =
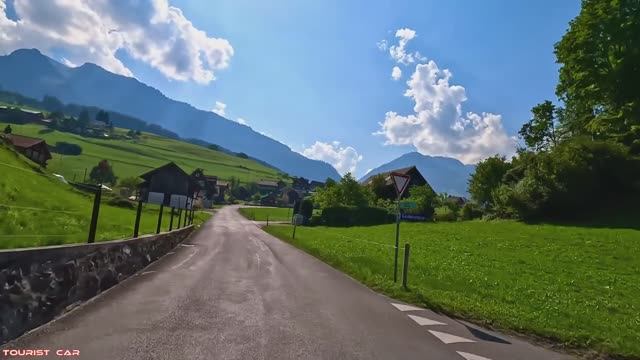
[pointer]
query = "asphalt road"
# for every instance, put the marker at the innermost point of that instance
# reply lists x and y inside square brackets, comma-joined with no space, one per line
[234,292]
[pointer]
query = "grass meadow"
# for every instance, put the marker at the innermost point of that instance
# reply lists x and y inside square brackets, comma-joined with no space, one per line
[576,285]
[36,209]
[131,158]
[261,213]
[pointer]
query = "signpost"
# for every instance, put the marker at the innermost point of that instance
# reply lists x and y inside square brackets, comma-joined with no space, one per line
[408,205]
[400,183]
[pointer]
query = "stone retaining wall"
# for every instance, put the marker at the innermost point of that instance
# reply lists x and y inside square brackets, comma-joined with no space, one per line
[36,284]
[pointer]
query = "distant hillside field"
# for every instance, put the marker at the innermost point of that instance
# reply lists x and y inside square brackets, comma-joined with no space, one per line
[32,74]
[137,156]
[36,209]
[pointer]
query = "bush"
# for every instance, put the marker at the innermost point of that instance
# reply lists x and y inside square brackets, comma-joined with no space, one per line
[574,179]
[120,202]
[66,148]
[353,216]
[306,209]
[444,213]
[316,220]
[470,211]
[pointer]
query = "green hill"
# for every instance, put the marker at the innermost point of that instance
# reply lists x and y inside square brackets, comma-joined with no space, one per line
[37,209]
[132,157]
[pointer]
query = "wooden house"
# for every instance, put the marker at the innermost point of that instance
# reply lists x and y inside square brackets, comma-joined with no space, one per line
[35,149]
[169,180]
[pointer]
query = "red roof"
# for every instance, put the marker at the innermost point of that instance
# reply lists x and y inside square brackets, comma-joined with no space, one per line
[23,141]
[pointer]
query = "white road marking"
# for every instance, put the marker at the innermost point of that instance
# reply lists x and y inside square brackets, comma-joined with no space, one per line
[187,259]
[403,307]
[187,245]
[423,321]
[468,356]
[448,338]
[148,272]
[171,253]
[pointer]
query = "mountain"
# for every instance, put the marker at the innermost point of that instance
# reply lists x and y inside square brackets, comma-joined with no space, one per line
[446,175]
[29,72]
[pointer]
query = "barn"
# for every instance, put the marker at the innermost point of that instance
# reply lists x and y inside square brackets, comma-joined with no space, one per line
[35,149]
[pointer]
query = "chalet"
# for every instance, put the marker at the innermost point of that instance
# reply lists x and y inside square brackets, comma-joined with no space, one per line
[168,179]
[389,191]
[300,183]
[19,115]
[290,195]
[269,199]
[457,200]
[313,185]
[33,148]
[267,186]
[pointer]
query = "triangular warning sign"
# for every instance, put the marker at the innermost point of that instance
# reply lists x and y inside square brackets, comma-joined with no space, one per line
[400,181]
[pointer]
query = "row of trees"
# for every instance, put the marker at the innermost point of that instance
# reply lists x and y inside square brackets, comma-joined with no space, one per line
[582,155]
[349,193]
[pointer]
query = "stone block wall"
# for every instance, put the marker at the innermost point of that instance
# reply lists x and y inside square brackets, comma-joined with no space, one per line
[36,284]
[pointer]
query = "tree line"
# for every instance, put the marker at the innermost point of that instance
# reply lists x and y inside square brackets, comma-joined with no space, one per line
[583,154]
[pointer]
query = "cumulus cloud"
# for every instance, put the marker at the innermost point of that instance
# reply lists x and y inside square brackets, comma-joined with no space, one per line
[398,51]
[241,121]
[396,73]
[153,32]
[343,158]
[439,126]
[219,108]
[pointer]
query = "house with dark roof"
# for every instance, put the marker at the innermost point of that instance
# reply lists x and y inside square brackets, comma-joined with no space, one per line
[168,179]
[389,192]
[35,149]
[266,186]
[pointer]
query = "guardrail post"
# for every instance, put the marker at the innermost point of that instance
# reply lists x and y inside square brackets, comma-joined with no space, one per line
[405,268]
[136,227]
[179,218]
[94,215]
[160,219]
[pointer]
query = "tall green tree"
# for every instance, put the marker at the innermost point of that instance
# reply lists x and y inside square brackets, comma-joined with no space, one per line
[352,193]
[600,69]
[103,174]
[541,131]
[424,197]
[487,178]
[83,119]
[103,116]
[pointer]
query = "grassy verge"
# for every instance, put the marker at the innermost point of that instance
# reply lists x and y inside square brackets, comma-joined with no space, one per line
[576,285]
[261,214]
[37,209]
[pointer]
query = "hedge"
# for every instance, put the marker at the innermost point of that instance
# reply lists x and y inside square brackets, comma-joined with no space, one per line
[353,216]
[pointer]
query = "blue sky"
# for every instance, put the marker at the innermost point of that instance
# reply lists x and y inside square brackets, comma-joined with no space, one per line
[312,72]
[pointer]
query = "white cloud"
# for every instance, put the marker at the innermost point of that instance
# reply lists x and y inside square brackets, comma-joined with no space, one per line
[399,52]
[438,125]
[219,108]
[396,73]
[343,158]
[382,45]
[241,121]
[153,32]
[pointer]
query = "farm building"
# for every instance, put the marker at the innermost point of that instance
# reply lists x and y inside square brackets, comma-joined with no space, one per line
[267,186]
[168,179]
[33,148]
[389,192]
[19,115]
